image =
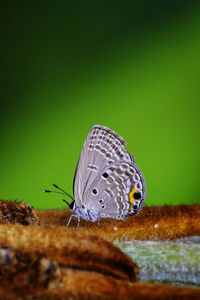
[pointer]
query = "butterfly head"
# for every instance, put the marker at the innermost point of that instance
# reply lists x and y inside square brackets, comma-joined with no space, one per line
[85,213]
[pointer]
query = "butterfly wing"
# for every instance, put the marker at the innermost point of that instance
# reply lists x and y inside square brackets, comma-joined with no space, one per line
[101,149]
[112,193]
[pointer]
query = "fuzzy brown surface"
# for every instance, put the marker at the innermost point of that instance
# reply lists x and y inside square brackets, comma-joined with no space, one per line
[172,222]
[26,273]
[70,249]
[17,212]
[85,285]
[85,265]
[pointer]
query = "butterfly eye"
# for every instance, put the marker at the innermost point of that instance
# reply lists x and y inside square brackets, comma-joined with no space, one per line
[94,191]
[137,195]
[105,175]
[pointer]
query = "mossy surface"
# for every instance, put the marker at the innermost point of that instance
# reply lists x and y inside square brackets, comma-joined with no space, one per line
[175,262]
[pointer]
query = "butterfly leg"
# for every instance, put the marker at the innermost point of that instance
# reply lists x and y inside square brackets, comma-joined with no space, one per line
[78,217]
[75,216]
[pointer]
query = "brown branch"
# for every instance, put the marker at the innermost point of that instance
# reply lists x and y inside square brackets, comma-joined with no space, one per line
[164,223]
[55,262]
[12,212]
[24,273]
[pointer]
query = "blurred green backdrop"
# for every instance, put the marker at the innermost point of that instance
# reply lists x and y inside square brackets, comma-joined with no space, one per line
[130,65]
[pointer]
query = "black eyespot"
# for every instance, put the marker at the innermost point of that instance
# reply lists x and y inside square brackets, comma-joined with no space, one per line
[105,175]
[94,191]
[103,206]
[100,201]
[137,195]
[134,206]
[83,206]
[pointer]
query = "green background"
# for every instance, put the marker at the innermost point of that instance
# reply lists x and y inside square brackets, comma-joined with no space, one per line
[132,66]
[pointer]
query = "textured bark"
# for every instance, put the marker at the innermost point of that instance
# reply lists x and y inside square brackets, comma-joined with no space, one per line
[84,286]
[70,249]
[58,262]
[12,212]
[153,223]
[26,273]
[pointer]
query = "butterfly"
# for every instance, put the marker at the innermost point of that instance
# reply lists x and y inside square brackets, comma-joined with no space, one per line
[107,182]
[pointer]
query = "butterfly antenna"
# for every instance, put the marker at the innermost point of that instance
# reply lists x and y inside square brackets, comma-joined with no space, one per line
[57,187]
[69,204]
[62,192]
